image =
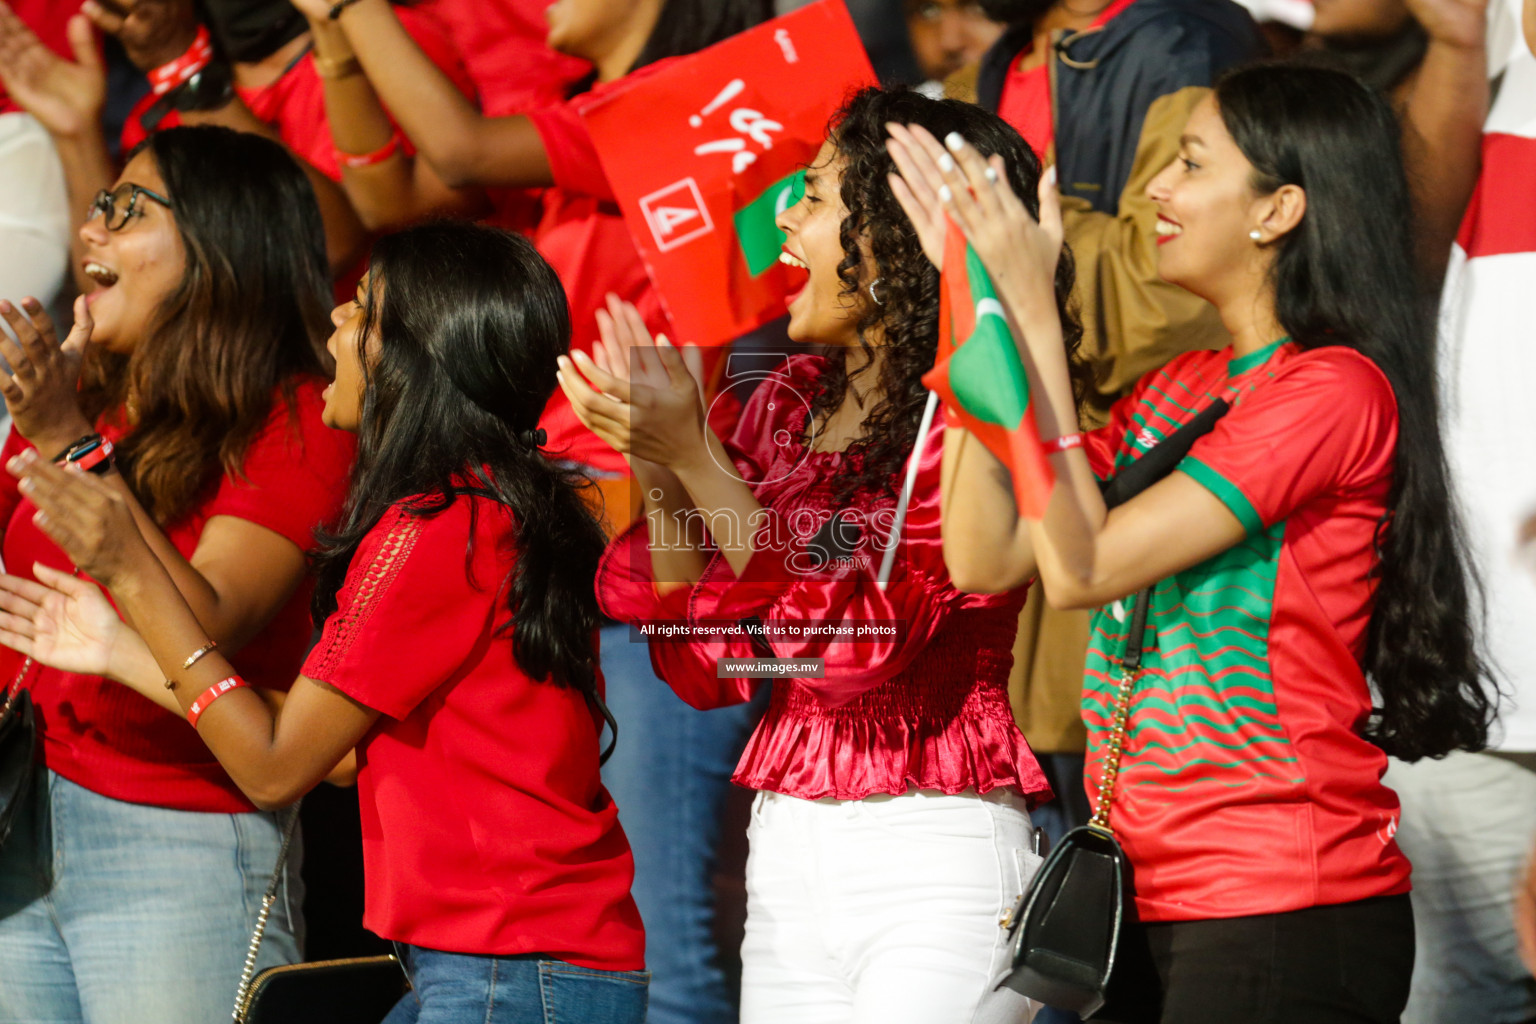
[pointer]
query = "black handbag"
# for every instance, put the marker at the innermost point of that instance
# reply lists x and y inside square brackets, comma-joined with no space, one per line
[18,753]
[1065,931]
[358,990]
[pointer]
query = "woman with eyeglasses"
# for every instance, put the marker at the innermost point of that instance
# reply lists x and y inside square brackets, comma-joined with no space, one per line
[191,383]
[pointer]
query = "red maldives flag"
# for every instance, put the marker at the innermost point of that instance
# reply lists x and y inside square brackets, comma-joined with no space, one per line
[704,154]
[980,376]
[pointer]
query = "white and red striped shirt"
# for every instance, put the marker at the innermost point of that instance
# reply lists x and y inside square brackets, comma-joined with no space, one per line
[1488,366]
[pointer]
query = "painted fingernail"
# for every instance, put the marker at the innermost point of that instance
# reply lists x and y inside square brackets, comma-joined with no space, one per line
[26,484]
[945,195]
[559,377]
[954,141]
[1050,175]
[992,174]
[946,162]
[580,357]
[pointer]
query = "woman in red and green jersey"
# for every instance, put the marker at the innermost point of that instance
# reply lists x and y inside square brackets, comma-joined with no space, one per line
[1306,544]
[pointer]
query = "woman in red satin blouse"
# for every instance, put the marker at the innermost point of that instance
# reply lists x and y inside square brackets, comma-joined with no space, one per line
[891,830]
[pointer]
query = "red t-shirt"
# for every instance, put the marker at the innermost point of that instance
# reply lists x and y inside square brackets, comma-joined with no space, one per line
[503,46]
[583,236]
[486,828]
[1025,102]
[1247,787]
[107,738]
[294,105]
[49,19]
[514,72]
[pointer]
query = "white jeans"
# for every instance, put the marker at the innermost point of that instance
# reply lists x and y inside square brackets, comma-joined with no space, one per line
[885,910]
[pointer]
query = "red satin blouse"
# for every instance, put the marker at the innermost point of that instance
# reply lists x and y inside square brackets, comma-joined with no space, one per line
[915,686]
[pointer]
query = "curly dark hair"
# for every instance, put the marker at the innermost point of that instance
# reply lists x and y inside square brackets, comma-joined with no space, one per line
[907,312]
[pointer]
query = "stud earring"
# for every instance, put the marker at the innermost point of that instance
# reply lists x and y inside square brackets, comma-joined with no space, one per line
[1256,234]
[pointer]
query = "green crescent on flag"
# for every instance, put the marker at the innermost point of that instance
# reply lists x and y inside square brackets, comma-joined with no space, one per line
[756,230]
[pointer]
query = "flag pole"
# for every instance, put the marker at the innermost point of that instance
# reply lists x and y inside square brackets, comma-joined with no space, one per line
[913,462]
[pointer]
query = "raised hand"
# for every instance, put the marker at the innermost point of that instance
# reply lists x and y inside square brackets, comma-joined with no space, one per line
[917,193]
[654,412]
[153,32]
[1018,251]
[85,517]
[42,389]
[65,97]
[60,621]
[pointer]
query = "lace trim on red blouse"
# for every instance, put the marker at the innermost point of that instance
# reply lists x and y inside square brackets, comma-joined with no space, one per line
[376,578]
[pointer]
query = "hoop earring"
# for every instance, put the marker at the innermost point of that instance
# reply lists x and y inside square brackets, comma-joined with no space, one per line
[1256,235]
[878,300]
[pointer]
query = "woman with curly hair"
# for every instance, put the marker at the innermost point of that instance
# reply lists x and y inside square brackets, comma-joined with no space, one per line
[891,831]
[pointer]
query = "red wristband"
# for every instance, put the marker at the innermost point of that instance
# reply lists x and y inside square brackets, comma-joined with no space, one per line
[378,156]
[1062,443]
[212,694]
[175,72]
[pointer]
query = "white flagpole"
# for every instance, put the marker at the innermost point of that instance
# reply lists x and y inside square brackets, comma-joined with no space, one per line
[913,462]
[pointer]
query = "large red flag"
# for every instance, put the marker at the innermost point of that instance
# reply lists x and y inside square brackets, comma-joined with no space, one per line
[704,154]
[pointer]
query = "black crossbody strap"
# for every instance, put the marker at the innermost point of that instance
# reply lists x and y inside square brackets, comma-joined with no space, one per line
[1135,478]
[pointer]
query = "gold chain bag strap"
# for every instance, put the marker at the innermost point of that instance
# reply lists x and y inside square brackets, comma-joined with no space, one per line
[1066,930]
[1130,671]
[359,990]
[1067,927]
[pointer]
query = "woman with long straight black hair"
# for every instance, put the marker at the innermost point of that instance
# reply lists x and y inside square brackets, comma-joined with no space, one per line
[671,775]
[1309,608]
[458,649]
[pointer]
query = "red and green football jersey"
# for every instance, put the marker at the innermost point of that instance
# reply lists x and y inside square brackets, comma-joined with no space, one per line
[1247,787]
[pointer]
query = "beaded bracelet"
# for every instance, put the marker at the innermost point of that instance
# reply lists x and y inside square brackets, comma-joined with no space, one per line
[212,694]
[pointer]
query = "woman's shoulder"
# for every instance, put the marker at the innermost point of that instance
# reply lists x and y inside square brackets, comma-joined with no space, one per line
[432,534]
[294,442]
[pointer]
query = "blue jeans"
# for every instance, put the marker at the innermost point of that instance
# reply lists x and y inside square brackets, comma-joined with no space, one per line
[450,988]
[669,777]
[119,912]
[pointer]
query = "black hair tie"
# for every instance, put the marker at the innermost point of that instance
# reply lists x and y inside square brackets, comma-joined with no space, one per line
[534,438]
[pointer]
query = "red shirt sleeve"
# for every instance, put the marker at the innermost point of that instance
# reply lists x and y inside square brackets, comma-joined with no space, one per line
[573,159]
[1327,421]
[407,615]
[293,477]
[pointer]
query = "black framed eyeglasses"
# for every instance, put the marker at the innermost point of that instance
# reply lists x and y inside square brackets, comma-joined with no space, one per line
[120,205]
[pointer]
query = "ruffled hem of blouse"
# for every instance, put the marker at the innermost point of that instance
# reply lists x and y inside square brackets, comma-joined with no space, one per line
[850,759]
